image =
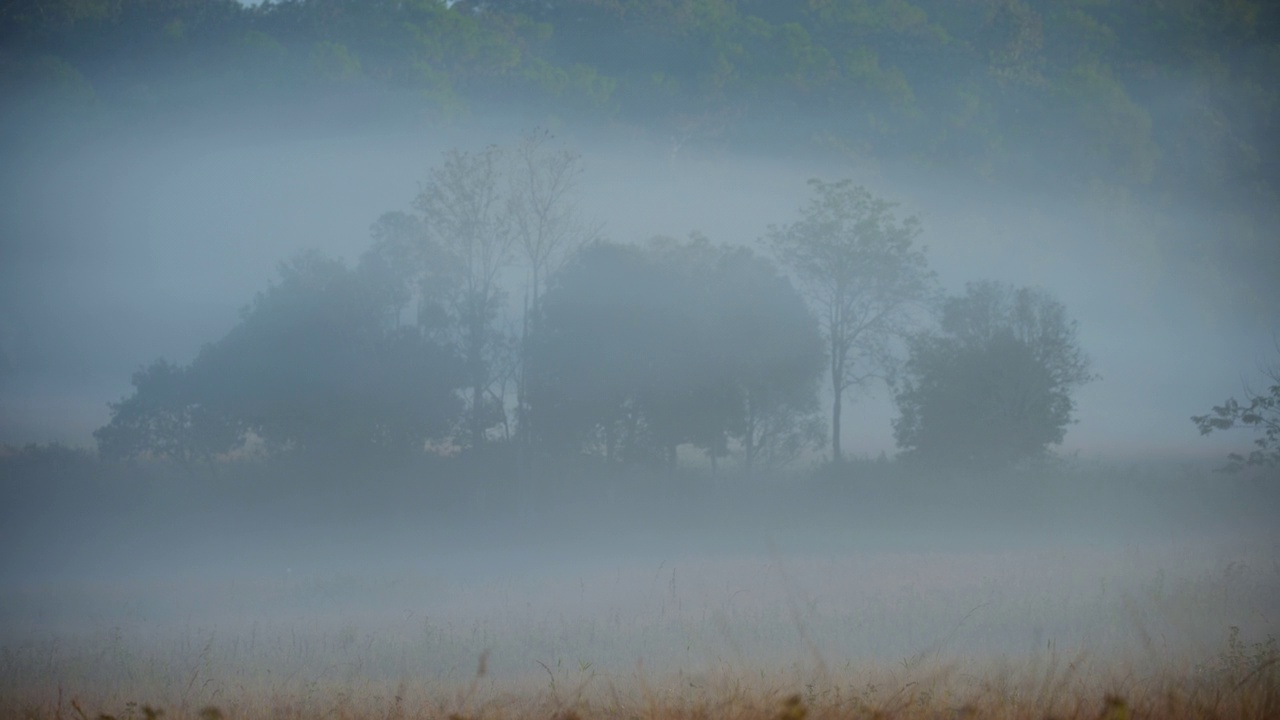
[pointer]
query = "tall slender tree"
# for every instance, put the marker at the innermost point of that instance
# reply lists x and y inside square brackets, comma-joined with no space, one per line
[469,232]
[547,228]
[866,276]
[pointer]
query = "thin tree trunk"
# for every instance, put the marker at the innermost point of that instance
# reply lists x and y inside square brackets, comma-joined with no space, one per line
[475,359]
[523,434]
[836,455]
[477,421]
[837,393]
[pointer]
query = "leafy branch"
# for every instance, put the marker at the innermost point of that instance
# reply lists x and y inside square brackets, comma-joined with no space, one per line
[1259,412]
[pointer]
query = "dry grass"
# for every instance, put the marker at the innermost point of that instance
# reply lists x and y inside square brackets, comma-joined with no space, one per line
[1166,632]
[1242,680]
[1063,689]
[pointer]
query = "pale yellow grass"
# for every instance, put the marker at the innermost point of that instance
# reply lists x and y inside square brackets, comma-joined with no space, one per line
[1061,688]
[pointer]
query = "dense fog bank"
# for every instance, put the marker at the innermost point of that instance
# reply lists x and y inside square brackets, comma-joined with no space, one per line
[74,517]
[126,586]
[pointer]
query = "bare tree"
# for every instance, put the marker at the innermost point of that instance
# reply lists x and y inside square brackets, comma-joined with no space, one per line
[864,273]
[469,227]
[481,214]
[542,207]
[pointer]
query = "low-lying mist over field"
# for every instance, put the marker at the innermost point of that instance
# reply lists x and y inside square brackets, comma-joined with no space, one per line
[292,586]
[623,359]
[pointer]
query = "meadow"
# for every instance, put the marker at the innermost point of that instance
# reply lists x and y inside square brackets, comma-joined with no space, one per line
[786,603]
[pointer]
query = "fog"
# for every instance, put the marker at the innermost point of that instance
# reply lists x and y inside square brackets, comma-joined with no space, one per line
[121,587]
[299,575]
[119,254]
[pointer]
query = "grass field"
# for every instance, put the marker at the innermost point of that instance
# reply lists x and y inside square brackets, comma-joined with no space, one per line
[896,601]
[1164,631]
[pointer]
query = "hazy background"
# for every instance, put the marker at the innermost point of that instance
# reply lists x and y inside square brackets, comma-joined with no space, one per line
[161,160]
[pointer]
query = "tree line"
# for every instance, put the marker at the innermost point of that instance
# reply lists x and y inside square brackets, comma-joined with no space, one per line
[1174,95]
[1168,106]
[490,319]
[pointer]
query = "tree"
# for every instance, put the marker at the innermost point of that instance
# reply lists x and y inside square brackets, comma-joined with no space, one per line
[607,332]
[469,234]
[547,228]
[994,386]
[318,364]
[773,350]
[165,418]
[541,201]
[862,270]
[1260,412]
[479,215]
[642,349]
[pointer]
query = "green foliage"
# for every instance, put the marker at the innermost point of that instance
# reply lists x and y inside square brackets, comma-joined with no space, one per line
[1261,413]
[994,386]
[1111,129]
[333,62]
[44,89]
[1177,96]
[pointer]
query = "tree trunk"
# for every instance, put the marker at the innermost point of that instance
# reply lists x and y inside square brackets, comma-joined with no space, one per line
[836,455]
[523,434]
[475,362]
[837,369]
[477,418]
[838,350]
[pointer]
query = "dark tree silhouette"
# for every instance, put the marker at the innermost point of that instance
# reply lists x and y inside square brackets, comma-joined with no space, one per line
[774,352]
[643,349]
[595,354]
[994,386]
[318,364]
[165,418]
[1259,412]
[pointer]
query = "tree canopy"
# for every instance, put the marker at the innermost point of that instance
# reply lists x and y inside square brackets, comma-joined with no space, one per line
[316,364]
[166,417]
[642,349]
[993,386]
[1176,95]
